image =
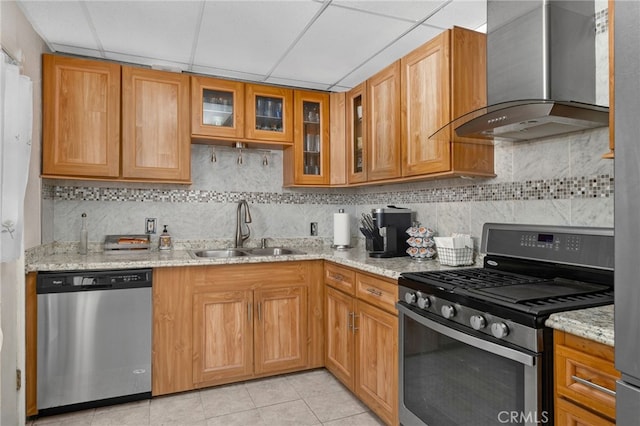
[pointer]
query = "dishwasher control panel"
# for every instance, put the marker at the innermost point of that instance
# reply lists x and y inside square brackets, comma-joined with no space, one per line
[52,282]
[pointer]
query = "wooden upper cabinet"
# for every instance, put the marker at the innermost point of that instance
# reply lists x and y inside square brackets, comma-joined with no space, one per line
[156,141]
[217,108]
[383,138]
[356,102]
[338,142]
[307,161]
[81,118]
[268,113]
[442,80]
[425,95]
[612,85]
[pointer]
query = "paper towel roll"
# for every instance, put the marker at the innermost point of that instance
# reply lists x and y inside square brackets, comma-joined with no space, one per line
[341,231]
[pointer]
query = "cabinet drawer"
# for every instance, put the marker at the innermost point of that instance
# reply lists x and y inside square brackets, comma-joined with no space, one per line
[376,291]
[568,414]
[586,379]
[341,278]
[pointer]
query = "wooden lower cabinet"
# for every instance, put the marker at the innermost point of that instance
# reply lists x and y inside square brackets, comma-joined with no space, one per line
[584,380]
[362,338]
[377,360]
[280,333]
[222,335]
[225,323]
[340,342]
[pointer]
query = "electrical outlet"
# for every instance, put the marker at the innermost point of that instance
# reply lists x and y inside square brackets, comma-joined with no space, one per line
[150,225]
[314,229]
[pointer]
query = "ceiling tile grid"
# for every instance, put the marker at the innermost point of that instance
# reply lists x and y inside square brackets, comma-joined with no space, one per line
[323,45]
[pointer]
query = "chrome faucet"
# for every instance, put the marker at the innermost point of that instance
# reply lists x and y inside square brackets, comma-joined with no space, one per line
[240,236]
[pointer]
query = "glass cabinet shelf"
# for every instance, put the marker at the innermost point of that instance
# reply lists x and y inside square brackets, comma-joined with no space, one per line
[217,108]
[269,113]
[358,151]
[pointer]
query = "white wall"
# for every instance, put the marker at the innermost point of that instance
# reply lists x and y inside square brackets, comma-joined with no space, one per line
[18,37]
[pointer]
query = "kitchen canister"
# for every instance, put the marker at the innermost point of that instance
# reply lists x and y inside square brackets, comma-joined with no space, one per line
[341,230]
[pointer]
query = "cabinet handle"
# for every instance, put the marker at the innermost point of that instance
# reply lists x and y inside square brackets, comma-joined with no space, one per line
[249,309]
[353,322]
[337,277]
[593,385]
[260,311]
[374,291]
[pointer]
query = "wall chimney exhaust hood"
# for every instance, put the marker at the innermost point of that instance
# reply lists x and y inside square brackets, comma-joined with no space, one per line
[541,73]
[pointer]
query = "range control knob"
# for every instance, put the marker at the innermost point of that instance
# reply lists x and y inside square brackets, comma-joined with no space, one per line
[448,311]
[477,322]
[424,302]
[410,298]
[499,330]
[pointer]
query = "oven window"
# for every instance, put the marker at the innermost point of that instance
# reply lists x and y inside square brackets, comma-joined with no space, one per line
[446,382]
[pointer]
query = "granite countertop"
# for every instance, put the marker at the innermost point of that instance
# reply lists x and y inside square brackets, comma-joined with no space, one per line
[355,257]
[592,323]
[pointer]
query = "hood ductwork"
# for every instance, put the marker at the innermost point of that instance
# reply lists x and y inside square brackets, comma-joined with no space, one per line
[541,72]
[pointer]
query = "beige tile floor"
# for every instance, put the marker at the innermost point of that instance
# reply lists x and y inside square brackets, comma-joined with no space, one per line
[307,398]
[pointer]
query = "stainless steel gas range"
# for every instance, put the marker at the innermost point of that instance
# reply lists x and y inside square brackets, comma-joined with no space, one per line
[473,346]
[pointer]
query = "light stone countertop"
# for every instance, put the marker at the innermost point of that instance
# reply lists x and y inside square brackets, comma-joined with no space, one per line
[355,257]
[592,323]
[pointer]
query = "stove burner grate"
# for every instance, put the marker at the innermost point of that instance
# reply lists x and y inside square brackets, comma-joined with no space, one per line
[474,278]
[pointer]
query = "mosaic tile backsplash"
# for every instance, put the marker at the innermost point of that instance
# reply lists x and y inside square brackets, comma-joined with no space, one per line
[543,189]
[563,181]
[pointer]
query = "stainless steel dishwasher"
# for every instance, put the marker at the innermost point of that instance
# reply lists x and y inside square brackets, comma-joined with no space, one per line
[94,338]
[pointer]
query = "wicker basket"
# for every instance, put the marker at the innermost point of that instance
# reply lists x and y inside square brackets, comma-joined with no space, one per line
[455,257]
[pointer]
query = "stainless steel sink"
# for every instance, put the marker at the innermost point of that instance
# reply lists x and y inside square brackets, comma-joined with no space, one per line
[271,251]
[218,253]
[239,252]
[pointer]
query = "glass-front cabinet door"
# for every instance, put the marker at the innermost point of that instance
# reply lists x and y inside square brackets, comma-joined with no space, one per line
[269,113]
[310,153]
[356,134]
[217,107]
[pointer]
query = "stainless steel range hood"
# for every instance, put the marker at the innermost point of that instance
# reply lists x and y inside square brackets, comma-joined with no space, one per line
[541,72]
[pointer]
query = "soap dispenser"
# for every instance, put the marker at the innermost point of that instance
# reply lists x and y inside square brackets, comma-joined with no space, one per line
[164,243]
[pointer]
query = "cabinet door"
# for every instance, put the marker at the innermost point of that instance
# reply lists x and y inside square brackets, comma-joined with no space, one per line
[269,113]
[310,151]
[384,156]
[356,134]
[81,117]
[425,95]
[340,353]
[217,107]
[281,329]
[377,360]
[156,141]
[222,335]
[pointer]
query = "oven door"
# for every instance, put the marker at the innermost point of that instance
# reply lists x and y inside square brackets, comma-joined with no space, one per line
[449,377]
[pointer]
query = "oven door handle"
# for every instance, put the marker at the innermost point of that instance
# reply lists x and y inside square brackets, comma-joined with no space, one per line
[503,351]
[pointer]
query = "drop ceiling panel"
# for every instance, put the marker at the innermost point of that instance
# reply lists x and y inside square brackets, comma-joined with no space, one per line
[63,23]
[463,13]
[162,29]
[340,40]
[417,37]
[413,11]
[250,36]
